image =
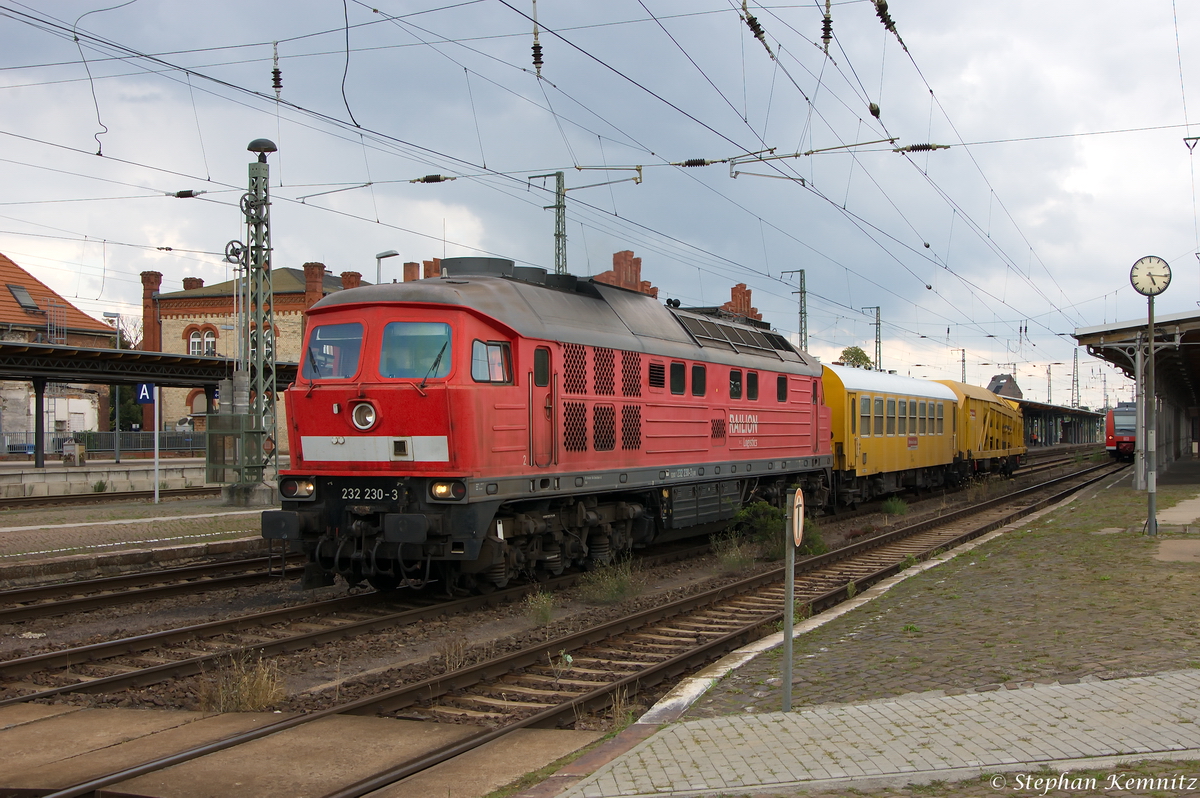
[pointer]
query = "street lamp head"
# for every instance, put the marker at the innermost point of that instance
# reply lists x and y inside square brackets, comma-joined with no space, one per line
[108,314]
[391,253]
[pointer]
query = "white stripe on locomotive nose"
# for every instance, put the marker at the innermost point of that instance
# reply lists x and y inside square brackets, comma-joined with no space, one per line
[374,448]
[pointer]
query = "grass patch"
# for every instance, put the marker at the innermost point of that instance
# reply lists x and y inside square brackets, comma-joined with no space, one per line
[894,505]
[612,583]
[733,552]
[99,486]
[241,684]
[539,607]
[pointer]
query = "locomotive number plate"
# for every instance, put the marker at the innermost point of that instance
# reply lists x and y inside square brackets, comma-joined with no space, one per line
[370,494]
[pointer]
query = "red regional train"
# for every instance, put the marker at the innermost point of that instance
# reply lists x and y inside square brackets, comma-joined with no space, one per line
[500,421]
[1120,431]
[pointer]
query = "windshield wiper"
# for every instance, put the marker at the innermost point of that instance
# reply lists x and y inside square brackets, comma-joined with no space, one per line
[312,360]
[433,368]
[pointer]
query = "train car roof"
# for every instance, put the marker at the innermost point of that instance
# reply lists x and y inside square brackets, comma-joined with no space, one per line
[976,392]
[578,310]
[869,381]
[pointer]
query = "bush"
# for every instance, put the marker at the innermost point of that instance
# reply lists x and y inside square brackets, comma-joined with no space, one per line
[894,505]
[764,524]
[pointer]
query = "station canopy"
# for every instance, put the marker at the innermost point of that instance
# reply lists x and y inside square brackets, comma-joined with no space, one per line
[1177,363]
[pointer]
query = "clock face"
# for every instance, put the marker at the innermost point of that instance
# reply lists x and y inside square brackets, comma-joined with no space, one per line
[1150,276]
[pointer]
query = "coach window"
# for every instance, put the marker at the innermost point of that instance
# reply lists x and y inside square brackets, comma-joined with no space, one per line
[752,386]
[903,418]
[865,412]
[333,349]
[735,384]
[853,417]
[781,388]
[940,417]
[541,367]
[678,379]
[912,416]
[921,417]
[699,380]
[878,415]
[490,362]
[891,416]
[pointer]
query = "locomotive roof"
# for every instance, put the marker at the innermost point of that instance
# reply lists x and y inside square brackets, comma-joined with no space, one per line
[870,381]
[582,311]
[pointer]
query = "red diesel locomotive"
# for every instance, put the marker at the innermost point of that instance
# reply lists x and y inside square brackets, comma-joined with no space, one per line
[499,421]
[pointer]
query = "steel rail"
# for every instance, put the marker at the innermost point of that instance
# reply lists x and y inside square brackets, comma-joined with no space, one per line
[55,500]
[45,601]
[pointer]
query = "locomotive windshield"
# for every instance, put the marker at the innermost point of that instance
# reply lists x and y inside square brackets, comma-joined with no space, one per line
[333,351]
[415,350]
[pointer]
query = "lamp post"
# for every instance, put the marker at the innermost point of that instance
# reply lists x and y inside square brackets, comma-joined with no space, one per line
[117,406]
[391,253]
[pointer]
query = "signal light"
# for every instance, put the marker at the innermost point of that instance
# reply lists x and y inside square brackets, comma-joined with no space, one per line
[292,488]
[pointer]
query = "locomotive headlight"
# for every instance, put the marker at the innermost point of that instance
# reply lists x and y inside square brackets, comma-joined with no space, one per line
[363,416]
[293,488]
[448,491]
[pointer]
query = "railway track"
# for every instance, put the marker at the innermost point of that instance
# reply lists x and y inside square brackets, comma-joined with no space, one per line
[60,598]
[152,658]
[541,686]
[72,499]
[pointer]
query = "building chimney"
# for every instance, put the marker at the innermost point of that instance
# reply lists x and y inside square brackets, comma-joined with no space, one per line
[433,268]
[627,273]
[351,279]
[314,283]
[739,303]
[412,271]
[192,283]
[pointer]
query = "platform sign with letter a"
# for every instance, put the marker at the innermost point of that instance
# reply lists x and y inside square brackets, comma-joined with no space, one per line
[145,393]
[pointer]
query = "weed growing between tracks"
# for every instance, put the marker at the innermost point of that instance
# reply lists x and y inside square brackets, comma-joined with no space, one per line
[539,607]
[241,684]
[612,583]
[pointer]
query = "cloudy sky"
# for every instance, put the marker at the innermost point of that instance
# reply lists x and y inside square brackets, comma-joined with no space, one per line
[1066,129]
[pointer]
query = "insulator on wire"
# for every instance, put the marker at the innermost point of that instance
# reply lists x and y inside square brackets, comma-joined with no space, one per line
[276,73]
[537,46]
[874,109]
[433,179]
[755,27]
[921,148]
[694,162]
[827,31]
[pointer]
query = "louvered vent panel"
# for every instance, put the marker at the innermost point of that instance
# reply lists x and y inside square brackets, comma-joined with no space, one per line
[658,375]
[574,427]
[604,428]
[575,366]
[631,374]
[631,428]
[603,371]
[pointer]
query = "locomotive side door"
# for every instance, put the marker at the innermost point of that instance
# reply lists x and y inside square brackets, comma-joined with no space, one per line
[541,409]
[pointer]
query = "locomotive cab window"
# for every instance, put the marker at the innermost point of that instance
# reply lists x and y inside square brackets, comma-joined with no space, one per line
[678,379]
[415,350]
[752,386]
[699,380]
[333,351]
[781,388]
[735,384]
[490,362]
[541,367]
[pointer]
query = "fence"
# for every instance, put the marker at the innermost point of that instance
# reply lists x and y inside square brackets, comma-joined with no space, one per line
[100,444]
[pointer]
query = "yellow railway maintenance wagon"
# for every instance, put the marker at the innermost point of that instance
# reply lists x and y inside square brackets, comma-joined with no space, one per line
[990,429]
[890,433]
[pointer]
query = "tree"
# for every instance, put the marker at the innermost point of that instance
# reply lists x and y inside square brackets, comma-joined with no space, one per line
[855,356]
